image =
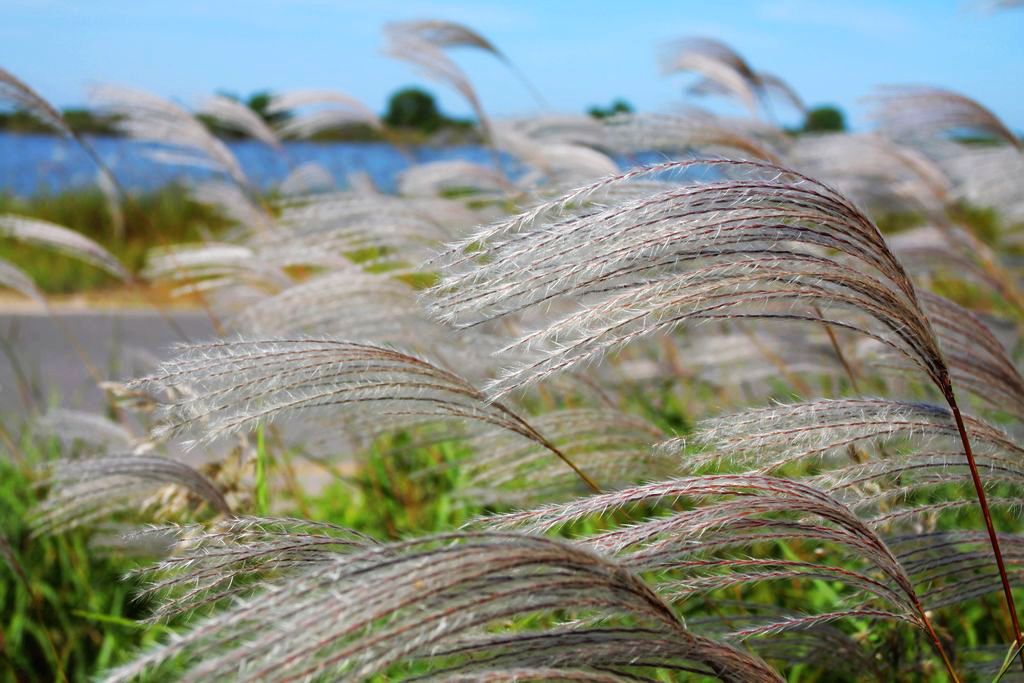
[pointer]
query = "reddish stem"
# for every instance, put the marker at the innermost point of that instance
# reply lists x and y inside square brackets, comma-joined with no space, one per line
[993,537]
[935,641]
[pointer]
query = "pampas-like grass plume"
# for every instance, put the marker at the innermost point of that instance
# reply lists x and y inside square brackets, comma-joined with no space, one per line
[422,43]
[18,93]
[880,457]
[976,358]
[772,244]
[449,34]
[440,602]
[86,489]
[696,550]
[753,247]
[611,446]
[673,133]
[725,71]
[61,239]
[770,438]
[95,431]
[326,109]
[223,387]
[153,119]
[699,285]
[15,278]
[348,302]
[241,118]
[215,564]
[909,112]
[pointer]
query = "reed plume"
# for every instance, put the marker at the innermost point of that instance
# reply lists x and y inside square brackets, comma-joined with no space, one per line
[224,387]
[359,612]
[64,240]
[773,245]
[916,112]
[84,490]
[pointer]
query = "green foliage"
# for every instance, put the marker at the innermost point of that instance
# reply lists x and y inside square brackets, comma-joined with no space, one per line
[824,119]
[983,221]
[405,485]
[412,115]
[81,121]
[65,611]
[355,132]
[414,108]
[166,216]
[87,122]
[398,491]
[618,106]
[894,222]
[259,101]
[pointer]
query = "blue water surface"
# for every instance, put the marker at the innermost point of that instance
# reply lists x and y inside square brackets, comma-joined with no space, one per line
[34,164]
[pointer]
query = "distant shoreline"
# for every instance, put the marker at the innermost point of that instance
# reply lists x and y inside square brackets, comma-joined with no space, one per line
[392,136]
[33,164]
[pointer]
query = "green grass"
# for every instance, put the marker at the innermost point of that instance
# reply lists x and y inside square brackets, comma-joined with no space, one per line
[74,616]
[167,216]
[66,613]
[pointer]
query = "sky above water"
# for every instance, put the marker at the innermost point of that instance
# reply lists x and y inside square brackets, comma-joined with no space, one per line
[577,53]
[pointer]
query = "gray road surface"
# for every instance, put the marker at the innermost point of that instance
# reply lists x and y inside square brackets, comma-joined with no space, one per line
[39,363]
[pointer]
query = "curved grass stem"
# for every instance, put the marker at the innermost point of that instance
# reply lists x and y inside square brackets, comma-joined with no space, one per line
[575,468]
[936,642]
[993,537]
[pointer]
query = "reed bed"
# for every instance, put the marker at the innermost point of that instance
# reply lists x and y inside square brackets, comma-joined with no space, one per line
[705,419]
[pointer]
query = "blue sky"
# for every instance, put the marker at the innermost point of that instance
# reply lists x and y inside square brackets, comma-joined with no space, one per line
[577,52]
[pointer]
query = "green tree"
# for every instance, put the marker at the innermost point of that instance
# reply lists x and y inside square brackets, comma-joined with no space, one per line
[414,108]
[618,106]
[825,118]
[259,101]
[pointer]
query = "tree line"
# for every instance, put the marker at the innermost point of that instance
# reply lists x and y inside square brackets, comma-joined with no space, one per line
[412,110]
